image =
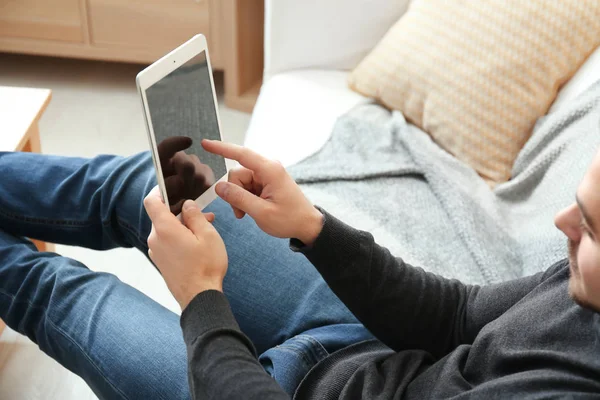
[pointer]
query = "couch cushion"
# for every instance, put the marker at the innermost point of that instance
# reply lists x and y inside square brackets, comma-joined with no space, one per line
[476,75]
[586,76]
[296,111]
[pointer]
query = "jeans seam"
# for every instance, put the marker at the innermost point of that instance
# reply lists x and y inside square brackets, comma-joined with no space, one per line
[319,347]
[66,336]
[124,225]
[78,224]
[63,333]
[40,221]
[284,348]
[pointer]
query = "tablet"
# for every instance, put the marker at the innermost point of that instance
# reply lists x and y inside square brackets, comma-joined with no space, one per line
[180,109]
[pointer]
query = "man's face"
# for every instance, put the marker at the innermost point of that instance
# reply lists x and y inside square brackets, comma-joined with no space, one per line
[581,223]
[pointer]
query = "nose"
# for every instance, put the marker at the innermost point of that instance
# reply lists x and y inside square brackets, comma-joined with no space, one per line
[569,222]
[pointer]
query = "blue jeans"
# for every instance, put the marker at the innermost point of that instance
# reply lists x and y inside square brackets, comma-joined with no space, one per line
[122,343]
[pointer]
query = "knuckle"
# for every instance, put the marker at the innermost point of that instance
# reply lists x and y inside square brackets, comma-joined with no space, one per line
[277,167]
[238,175]
[234,175]
[151,241]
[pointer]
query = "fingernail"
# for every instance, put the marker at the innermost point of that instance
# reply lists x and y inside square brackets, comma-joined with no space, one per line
[188,205]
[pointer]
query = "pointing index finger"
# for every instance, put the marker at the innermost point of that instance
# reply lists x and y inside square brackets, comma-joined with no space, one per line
[246,157]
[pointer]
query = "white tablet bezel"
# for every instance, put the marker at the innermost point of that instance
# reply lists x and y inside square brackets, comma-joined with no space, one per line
[156,72]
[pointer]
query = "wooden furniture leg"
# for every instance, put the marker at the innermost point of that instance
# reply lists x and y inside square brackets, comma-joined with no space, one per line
[20,111]
[33,143]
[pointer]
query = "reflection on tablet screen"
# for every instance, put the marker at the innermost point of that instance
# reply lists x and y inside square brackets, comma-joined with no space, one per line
[182,111]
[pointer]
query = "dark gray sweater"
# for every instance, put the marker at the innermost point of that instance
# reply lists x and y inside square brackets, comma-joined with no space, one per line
[438,338]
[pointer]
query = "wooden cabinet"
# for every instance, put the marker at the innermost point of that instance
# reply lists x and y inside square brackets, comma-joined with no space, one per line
[113,30]
[142,31]
[47,20]
[147,24]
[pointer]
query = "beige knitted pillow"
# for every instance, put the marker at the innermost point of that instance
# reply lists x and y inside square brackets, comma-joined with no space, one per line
[476,74]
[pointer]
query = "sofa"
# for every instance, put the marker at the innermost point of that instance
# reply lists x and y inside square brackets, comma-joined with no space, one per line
[309,53]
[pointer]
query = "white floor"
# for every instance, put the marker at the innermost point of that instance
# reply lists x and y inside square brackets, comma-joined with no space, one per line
[95,109]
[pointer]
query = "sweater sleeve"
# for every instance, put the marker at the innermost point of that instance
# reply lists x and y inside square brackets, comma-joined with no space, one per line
[403,306]
[221,360]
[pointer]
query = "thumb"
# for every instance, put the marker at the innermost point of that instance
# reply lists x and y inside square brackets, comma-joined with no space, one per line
[193,218]
[240,198]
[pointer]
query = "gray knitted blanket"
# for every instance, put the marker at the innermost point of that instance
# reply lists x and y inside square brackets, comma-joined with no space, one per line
[380,174]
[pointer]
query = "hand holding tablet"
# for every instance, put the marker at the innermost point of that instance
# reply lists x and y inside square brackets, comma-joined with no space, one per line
[192,166]
[180,109]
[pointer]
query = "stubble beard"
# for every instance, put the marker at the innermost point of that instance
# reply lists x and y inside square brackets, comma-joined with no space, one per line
[575,277]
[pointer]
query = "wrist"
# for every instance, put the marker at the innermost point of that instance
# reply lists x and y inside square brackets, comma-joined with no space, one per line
[312,228]
[186,298]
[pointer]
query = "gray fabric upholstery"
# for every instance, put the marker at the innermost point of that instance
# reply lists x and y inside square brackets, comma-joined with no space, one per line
[382,174]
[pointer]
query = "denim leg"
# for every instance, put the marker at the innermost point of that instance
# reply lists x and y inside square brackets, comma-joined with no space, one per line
[291,361]
[122,343]
[94,203]
[98,203]
[275,294]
